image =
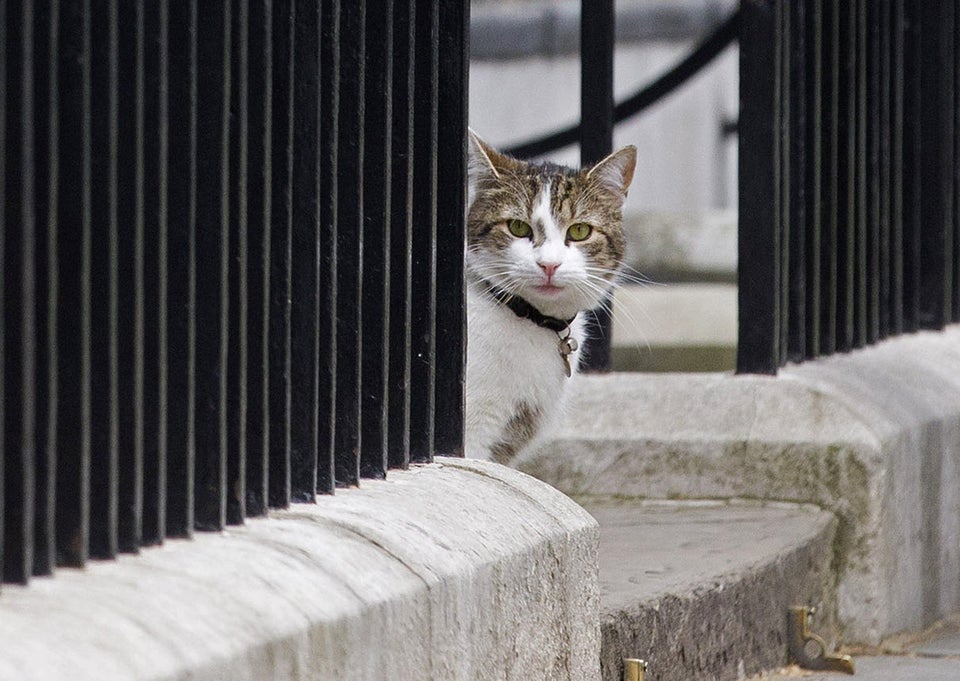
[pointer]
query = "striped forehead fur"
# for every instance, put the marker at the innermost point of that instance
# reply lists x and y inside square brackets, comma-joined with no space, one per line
[513,192]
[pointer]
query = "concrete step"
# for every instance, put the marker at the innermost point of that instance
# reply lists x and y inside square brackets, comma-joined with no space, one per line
[700,589]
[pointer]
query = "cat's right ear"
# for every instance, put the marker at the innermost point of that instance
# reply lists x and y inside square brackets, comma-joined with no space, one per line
[478,158]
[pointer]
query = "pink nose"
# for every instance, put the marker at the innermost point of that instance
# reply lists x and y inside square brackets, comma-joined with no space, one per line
[549,268]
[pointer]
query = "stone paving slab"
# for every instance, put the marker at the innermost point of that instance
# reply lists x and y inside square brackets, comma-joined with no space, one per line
[882,668]
[942,640]
[931,655]
[700,589]
[651,549]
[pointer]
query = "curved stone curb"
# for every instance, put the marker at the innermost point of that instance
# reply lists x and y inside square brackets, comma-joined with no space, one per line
[449,571]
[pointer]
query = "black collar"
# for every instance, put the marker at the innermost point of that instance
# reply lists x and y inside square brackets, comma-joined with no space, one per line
[523,309]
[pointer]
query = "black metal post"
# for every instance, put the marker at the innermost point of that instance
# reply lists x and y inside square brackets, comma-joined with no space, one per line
[154,89]
[103,281]
[758,350]
[238,383]
[597,19]
[305,255]
[259,110]
[401,231]
[329,105]
[451,232]
[377,164]
[424,244]
[350,146]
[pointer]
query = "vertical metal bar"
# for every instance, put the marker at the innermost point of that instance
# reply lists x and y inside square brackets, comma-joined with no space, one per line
[350,146]
[912,164]
[180,282]
[213,40]
[3,284]
[45,37]
[871,172]
[954,255]
[72,437]
[153,72]
[885,184]
[378,105]
[19,299]
[782,155]
[830,155]
[451,230]
[237,359]
[936,150]
[423,280]
[899,186]
[280,226]
[796,162]
[329,104]
[103,292]
[815,119]
[759,241]
[129,296]
[259,157]
[597,19]
[860,230]
[305,255]
[401,232]
[846,174]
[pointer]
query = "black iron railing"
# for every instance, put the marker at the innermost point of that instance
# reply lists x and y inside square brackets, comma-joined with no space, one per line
[232,240]
[849,143]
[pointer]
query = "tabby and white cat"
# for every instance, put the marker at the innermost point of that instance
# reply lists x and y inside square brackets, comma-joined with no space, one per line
[544,245]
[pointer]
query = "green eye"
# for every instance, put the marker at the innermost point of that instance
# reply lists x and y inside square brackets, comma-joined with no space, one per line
[519,228]
[579,231]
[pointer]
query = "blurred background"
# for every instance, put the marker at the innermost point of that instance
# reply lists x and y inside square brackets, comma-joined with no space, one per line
[680,216]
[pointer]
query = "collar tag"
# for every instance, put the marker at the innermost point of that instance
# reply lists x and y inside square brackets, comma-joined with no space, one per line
[567,346]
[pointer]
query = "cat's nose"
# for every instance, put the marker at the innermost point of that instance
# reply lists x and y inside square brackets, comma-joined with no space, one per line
[549,268]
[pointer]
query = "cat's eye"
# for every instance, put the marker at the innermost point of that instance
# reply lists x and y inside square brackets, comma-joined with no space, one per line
[519,228]
[579,231]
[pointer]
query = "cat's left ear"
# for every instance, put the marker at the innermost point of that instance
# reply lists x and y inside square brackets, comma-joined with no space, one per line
[615,172]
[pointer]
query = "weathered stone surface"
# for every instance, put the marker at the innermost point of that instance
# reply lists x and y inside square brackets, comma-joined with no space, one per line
[450,571]
[873,436]
[701,589]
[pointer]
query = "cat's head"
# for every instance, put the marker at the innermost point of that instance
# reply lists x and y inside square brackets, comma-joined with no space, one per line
[549,234]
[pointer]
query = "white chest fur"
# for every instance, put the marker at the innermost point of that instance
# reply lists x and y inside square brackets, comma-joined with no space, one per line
[513,366]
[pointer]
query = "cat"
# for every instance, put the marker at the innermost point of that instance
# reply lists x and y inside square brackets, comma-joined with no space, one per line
[544,246]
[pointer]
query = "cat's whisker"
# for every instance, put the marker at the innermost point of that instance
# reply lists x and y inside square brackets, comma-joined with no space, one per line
[630,275]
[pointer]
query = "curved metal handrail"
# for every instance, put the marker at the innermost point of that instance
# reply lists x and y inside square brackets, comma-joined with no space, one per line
[717,41]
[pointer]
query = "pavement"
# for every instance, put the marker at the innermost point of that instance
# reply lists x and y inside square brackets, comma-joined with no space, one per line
[907,668]
[882,668]
[932,655]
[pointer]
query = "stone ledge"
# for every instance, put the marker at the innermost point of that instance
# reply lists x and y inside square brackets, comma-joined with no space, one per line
[701,589]
[873,436]
[454,570]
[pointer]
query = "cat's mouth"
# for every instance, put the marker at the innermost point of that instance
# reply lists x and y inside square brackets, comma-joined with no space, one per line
[548,289]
